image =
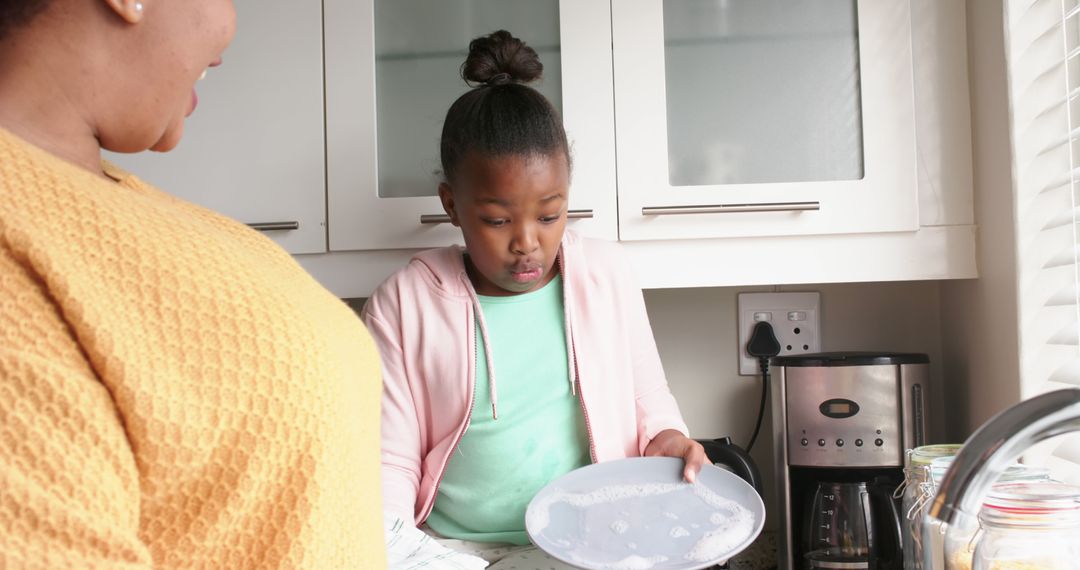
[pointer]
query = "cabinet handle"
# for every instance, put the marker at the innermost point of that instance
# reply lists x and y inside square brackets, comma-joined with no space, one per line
[731,208]
[272,226]
[444,219]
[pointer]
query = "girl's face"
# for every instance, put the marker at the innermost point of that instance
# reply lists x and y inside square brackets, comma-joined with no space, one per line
[512,212]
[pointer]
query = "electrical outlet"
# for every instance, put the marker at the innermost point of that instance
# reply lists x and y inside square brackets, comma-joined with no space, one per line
[795,318]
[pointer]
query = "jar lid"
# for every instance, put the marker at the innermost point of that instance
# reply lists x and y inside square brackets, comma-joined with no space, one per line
[1038,503]
[924,455]
[1017,472]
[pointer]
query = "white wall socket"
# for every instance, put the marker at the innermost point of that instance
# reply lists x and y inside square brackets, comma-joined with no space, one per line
[795,318]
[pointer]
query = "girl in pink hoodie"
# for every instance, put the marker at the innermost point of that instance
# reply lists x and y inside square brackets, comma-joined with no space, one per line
[557,316]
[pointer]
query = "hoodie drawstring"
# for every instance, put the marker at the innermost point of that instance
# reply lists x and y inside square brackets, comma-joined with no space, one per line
[571,353]
[493,393]
[571,357]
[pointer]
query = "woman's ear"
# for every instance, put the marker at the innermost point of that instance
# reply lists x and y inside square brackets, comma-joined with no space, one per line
[446,196]
[131,11]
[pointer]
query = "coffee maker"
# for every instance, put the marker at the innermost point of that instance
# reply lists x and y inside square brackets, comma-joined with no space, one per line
[842,423]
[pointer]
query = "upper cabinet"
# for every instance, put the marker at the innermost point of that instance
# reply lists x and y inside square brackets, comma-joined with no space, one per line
[741,118]
[392,71]
[254,148]
[752,141]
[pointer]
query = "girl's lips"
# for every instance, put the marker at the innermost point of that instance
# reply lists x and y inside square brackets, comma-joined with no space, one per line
[526,276]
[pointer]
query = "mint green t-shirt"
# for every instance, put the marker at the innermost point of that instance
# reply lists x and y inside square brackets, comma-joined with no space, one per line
[540,435]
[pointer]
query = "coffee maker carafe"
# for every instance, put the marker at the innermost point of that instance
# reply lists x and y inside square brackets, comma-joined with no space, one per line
[851,525]
[841,425]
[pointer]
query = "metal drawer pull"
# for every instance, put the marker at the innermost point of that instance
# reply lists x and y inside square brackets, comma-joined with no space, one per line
[273,226]
[444,219]
[731,208]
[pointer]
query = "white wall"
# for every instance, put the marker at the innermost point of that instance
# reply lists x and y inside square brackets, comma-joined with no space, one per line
[695,331]
[979,317]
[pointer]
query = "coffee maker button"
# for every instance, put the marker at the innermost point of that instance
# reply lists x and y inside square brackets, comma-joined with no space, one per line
[805,442]
[839,443]
[879,442]
[821,443]
[858,443]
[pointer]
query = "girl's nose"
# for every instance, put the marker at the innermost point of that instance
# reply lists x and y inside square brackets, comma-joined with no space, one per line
[524,241]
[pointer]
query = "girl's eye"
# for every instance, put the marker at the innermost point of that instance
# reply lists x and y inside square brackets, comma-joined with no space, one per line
[495,223]
[550,219]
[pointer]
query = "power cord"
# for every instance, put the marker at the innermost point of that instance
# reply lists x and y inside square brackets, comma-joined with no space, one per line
[763,346]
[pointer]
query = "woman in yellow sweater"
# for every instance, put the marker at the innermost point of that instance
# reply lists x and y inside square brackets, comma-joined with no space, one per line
[175,392]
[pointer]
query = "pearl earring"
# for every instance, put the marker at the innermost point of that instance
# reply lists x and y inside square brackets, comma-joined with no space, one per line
[138,7]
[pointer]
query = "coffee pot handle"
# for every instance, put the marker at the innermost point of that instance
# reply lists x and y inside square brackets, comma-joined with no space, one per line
[893,558]
[871,540]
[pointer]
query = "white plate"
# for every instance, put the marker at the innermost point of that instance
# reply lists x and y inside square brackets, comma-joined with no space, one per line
[638,513]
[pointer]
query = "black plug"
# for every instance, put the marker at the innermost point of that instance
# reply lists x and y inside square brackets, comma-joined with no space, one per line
[763,346]
[763,343]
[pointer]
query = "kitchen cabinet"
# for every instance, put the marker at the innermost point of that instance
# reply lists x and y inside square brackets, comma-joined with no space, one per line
[858,107]
[744,118]
[254,148]
[392,71]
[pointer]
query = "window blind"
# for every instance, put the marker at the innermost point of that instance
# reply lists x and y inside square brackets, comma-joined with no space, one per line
[1043,58]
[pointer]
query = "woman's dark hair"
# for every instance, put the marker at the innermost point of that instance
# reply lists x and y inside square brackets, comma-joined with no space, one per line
[501,115]
[16,13]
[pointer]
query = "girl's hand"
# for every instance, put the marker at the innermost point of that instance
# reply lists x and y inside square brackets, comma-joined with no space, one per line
[671,443]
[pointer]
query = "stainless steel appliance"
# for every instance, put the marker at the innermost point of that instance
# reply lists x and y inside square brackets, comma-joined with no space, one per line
[841,425]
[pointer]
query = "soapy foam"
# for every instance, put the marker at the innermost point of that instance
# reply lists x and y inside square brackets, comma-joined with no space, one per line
[734,523]
[539,517]
[732,529]
[672,516]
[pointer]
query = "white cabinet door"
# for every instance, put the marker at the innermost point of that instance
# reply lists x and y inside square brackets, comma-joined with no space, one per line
[392,71]
[739,118]
[254,148]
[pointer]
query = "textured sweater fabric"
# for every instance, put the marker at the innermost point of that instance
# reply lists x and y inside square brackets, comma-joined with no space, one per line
[175,391]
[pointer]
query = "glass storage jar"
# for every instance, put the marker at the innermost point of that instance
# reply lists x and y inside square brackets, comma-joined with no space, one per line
[911,492]
[961,539]
[1030,525]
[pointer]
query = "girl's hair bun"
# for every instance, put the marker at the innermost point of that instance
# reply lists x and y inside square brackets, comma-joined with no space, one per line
[500,58]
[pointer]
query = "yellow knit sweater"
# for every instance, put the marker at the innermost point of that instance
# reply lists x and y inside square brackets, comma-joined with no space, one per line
[175,392]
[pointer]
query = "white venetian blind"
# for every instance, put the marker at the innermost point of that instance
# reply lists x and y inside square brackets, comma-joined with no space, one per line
[1043,57]
[1043,51]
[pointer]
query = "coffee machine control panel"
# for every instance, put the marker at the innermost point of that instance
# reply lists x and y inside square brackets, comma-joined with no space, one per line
[844,422]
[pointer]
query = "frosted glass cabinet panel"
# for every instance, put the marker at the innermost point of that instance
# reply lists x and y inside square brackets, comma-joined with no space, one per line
[417,75]
[392,71]
[798,62]
[764,117]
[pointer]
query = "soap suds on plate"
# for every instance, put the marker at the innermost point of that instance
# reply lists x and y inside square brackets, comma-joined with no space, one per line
[732,529]
[722,526]
[539,516]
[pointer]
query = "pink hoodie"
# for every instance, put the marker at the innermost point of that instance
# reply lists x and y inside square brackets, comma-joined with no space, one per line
[422,319]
